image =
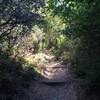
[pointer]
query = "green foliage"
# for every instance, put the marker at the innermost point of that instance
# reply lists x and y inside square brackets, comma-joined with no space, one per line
[82,23]
[64,48]
[87,59]
[17,19]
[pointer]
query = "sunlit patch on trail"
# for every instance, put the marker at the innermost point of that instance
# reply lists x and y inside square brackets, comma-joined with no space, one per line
[49,68]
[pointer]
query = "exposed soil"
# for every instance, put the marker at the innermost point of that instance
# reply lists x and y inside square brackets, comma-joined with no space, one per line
[58,85]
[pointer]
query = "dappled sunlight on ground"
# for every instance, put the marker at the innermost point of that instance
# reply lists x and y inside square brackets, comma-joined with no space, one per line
[46,64]
[49,68]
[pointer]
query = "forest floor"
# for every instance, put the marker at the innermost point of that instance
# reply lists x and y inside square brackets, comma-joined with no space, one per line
[51,86]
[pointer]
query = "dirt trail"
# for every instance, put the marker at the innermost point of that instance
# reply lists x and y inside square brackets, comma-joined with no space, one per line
[53,90]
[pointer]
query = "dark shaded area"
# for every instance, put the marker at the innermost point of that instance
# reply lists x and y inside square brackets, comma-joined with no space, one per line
[13,76]
[55,84]
[87,60]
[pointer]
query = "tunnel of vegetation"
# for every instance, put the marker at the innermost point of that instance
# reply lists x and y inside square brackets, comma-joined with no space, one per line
[70,28]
